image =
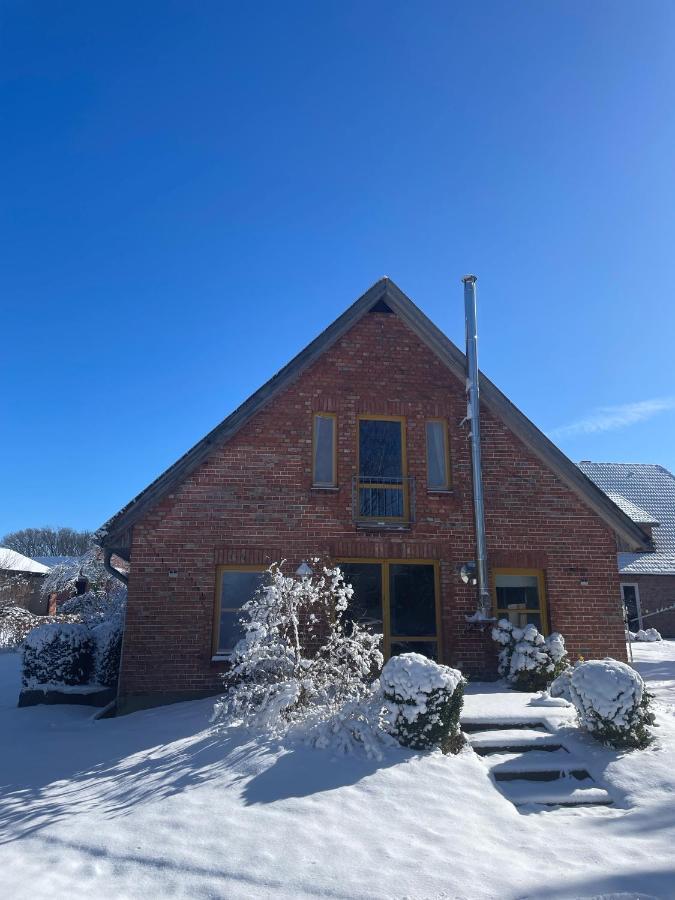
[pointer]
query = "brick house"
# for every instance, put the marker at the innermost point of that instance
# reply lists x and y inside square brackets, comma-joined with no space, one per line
[647,494]
[356,452]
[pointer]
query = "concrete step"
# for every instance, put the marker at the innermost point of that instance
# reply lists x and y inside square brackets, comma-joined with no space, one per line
[536,765]
[472,725]
[562,792]
[509,740]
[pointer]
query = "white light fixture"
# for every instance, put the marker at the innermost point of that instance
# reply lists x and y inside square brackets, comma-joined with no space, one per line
[304,570]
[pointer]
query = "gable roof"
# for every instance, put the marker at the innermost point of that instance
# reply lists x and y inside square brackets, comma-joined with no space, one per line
[383,292]
[13,561]
[652,488]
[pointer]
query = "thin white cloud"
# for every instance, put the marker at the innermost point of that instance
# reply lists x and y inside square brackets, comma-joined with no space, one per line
[609,418]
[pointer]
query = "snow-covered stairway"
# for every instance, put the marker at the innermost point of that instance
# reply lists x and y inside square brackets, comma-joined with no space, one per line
[531,765]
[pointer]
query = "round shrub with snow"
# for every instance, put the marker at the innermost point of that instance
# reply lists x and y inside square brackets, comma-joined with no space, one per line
[611,702]
[528,660]
[422,702]
[58,654]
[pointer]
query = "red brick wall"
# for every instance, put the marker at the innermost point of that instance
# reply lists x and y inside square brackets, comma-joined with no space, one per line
[656,591]
[253,500]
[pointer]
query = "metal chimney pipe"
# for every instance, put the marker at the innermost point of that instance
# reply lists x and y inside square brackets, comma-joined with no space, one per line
[473,414]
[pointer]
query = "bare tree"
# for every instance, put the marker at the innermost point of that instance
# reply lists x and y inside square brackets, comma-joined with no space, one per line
[48,541]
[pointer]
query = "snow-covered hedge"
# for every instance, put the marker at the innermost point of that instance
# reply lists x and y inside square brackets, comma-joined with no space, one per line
[58,654]
[611,701]
[94,625]
[108,641]
[528,660]
[649,634]
[422,702]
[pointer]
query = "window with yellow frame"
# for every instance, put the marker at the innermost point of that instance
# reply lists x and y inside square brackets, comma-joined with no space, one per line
[398,598]
[438,455]
[324,450]
[235,586]
[519,595]
[381,454]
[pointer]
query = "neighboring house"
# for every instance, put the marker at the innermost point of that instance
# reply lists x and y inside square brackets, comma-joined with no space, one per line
[21,581]
[647,494]
[358,452]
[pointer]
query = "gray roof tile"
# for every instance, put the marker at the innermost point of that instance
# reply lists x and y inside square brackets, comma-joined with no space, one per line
[651,488]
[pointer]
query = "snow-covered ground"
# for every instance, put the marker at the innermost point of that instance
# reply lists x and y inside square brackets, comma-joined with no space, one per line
[155,805]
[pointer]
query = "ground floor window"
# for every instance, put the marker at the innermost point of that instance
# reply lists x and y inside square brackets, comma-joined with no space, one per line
[400,600]
[235,586]
[630,594]
[519,596]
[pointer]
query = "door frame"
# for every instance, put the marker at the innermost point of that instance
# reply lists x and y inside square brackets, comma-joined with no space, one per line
[638,603]
[386,609]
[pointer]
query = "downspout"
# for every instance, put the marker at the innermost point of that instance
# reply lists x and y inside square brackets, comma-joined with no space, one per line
[484,605]
[107,554]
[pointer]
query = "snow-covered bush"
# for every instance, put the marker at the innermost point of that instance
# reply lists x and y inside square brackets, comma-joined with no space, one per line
[561,686]
[108,642]
[94,607]
[422,702]
[62,578]
[611,702]
[528,660]
[16,622]
[58,654]
[649,635]
[301,661]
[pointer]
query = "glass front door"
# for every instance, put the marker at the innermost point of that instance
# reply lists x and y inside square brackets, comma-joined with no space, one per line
[398,599]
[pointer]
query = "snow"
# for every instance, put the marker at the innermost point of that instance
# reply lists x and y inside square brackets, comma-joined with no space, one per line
[12,561]
[650,634]
[156,804]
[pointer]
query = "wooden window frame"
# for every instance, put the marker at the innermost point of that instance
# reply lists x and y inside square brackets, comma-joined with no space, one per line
[446,445]
[216,654]
[539,574]
[386,608]
[638,602]
[320,485]
[368,417]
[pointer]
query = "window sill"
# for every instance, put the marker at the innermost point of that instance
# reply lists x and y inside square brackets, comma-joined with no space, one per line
[221,657]
[365,525]
[331,488]
[441,491]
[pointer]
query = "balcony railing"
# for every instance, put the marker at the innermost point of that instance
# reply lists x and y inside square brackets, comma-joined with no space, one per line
[383,502]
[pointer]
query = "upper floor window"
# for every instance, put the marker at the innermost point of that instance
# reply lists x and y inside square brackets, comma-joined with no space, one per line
[382,486]
[324,465]
[438,456]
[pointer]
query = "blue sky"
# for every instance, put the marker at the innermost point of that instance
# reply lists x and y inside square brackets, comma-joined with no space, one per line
[191,192]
